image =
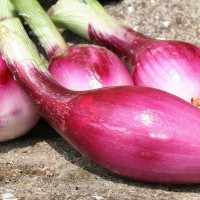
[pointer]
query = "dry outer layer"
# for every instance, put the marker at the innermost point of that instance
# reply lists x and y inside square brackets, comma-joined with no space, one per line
[41,165]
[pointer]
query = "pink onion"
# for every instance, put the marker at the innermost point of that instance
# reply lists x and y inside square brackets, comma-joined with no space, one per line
[172,66]
[137,132]
[17,113]
[79,67]
[88,67]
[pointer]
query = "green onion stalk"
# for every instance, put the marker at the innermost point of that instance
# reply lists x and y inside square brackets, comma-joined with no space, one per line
[7,10]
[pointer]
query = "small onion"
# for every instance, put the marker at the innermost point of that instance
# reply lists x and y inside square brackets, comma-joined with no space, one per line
[18,115]
[78,67]
[86,67]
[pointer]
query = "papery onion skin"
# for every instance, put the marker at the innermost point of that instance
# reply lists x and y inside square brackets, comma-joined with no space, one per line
[18,115]
[172,66]
[137,132]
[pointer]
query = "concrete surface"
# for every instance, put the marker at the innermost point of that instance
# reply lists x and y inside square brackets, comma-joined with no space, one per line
[41,165]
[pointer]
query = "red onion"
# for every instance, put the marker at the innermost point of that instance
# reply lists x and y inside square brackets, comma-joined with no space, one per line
[88,67]
[17,113]
[172,66]
[79,67]
[137,132]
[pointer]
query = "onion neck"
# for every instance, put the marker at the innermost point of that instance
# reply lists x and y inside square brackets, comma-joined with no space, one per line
[41,25]
[71,14]
[123,40]
[26,65]
[89,19]
[6,9]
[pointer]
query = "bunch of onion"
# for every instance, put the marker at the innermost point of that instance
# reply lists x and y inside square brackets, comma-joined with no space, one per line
[172,66]
[18,115]
[78,67]
[145,134]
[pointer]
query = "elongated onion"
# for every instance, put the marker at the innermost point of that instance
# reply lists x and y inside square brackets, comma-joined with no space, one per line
[137,132]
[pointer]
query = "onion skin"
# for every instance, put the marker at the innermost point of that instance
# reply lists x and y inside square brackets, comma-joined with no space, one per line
[144,134]
[18,115]
[86,67]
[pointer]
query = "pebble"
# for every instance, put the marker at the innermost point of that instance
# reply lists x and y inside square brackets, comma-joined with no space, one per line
[8,196]
[166,23]
[130,9]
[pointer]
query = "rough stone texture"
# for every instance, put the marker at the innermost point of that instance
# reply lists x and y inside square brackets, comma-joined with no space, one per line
[41,165]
